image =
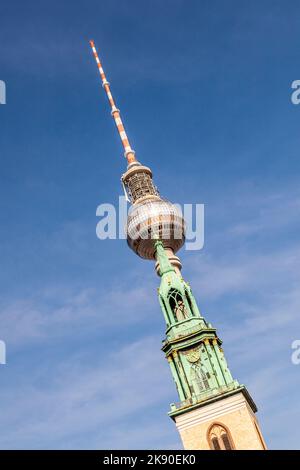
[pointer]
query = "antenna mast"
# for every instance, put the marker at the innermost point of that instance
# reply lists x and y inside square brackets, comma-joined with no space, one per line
[115,112]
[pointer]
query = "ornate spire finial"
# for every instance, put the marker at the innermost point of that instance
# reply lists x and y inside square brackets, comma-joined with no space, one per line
[164,263]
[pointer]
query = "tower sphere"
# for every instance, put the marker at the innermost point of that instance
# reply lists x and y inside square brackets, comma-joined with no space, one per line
[152,218]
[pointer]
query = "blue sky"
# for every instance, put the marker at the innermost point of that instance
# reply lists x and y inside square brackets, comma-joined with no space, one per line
[209,83]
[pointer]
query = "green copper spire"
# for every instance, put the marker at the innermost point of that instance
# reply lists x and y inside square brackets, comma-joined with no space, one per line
[161,256]
[192,347]
[177,301]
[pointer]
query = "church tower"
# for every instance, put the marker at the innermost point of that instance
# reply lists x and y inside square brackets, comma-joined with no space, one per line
[214,411]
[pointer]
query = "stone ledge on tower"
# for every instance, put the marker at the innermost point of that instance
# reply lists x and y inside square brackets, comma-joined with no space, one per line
[210,396]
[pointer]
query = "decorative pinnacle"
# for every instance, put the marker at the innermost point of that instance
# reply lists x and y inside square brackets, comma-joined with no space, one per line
[128,151]
[164,263]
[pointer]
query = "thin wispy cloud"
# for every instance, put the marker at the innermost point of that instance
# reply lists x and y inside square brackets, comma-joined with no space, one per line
[27,321]
[87,395]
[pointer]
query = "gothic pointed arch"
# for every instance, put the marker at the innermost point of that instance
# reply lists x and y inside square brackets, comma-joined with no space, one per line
[177,305]
[199,378]
[219,437]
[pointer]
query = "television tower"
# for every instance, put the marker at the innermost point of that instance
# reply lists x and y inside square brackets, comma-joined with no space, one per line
[214,411]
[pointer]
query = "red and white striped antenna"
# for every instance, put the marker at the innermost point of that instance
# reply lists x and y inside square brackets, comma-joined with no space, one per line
[115,112]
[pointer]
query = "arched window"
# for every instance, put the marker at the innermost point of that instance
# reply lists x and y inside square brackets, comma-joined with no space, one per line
[219,438]
[199,379]
[177,306]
